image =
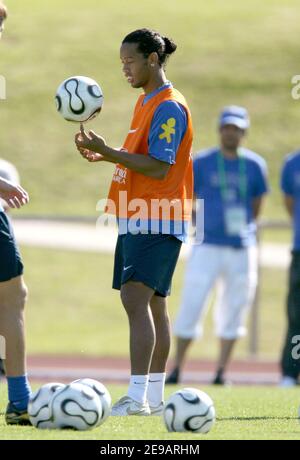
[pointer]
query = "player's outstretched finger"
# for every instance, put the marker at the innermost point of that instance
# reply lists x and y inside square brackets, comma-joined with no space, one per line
[82,132]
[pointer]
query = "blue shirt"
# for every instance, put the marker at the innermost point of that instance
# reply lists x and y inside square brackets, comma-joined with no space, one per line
[290,185]
[163,149]
[207,186]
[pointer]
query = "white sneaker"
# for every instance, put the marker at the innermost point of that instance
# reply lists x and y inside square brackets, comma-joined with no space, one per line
[287,382]
[157,410]
[128,406]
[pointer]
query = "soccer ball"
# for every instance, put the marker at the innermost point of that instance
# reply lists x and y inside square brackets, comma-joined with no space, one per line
[39,405]
[79,99]
[189,410]
[103,394]
[76,406]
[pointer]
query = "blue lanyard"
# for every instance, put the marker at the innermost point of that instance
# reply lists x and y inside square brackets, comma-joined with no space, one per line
[242,176]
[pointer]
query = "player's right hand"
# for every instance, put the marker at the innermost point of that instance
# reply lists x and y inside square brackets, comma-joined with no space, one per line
[14,195]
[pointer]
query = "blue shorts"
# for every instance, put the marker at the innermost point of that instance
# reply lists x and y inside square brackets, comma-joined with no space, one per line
[11,264]
[150,259]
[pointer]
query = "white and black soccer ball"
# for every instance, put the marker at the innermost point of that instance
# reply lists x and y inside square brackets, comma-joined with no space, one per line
[79,99]
[39,405]
[76,406]
[103,394]
[189,409]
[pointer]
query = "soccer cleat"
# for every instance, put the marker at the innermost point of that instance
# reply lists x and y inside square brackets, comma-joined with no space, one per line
[173,377]
[14,416]
[128,406]
[157,410]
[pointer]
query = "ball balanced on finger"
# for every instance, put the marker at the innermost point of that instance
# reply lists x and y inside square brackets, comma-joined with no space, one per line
[79,99]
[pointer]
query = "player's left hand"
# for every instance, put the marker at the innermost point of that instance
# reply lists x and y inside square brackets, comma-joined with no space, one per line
[89,141]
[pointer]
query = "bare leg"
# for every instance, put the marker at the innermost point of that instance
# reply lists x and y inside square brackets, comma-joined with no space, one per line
[157,377]
[12,302]
[161,320]
[136,299]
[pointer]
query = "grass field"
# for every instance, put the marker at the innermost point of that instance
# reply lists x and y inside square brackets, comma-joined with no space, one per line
[72,308]
[228,52]
[242,413]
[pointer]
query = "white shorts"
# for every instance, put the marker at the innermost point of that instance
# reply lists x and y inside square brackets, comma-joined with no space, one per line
[236,273]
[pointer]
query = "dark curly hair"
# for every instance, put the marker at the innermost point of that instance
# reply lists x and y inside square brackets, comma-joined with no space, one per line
[150,41]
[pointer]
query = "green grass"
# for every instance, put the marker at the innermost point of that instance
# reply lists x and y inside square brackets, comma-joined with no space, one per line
[72,308]
[242,413]
[228,52]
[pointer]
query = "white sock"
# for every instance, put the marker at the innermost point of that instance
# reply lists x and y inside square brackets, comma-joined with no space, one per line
[138,388]
[156,387]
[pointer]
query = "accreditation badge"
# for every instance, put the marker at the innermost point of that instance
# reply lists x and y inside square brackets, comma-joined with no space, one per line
[235,220]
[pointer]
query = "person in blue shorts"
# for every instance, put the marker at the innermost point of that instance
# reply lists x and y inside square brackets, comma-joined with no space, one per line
[13,294]
[9,172]
[153,168]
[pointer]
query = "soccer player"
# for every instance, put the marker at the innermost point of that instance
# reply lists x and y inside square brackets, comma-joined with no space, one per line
[154,164]
[12,301]
[232,182]
[9,172]
[290,185]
